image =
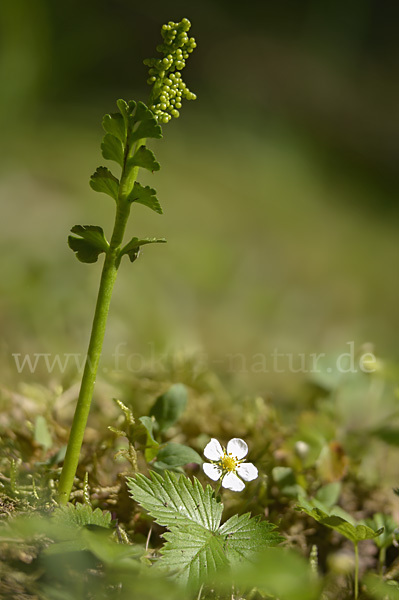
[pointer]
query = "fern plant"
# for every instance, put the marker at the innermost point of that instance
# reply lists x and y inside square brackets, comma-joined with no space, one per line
[125,143]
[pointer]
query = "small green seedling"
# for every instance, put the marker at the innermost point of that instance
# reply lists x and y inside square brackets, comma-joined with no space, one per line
[125,143]
[355,532]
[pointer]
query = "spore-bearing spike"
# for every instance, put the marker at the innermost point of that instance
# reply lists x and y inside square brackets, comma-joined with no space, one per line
[165,77]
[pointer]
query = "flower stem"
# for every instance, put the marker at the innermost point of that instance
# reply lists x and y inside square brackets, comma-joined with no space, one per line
[107,282]
[217,488]
[356,570]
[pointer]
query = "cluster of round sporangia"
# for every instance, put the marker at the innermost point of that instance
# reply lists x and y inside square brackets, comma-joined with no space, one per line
[169,88]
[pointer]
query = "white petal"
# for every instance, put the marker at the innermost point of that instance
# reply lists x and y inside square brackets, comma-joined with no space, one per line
[238,448]
[232,482]
[213,450]
[247,471]
[212,471]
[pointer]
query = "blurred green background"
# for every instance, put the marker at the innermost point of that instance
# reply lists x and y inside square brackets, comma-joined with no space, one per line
[279,184]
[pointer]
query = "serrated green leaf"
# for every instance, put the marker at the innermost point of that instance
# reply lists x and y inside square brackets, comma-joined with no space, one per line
[145,195]
[103,181]
[175,500]
[132,248]
[90,244]
[352,531]
[168,408]
[176,455]
[194,554]
[115,125]
[112,149]
[81,515]
[245,537]
[143,157]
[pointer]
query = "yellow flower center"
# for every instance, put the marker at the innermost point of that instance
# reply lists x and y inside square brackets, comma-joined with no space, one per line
[228,463]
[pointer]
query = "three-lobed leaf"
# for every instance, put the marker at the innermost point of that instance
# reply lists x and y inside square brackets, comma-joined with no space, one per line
[246,536]
[194,554]
[197,548]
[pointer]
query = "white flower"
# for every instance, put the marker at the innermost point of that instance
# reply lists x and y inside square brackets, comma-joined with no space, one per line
[229,464]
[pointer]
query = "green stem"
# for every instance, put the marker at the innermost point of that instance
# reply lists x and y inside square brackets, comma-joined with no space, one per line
[108,277]
[217,488]
[356,570]
[88,380]
[107,282]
